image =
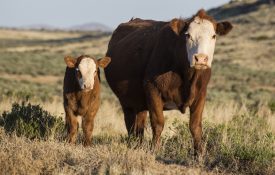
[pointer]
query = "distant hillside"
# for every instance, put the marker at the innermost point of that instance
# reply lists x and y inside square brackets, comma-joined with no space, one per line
[39,27]
[244,59]
[91,27]
[238,8]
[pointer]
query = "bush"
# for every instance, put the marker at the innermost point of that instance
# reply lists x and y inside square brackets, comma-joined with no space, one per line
[243,145]
[271,105]
[32,122]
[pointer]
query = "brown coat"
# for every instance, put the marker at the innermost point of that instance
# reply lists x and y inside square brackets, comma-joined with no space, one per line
[78,102]
[150,72]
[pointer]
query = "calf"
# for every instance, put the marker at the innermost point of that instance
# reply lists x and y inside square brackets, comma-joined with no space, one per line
[81,91]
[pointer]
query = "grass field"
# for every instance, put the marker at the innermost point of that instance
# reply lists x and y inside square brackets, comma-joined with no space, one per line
[239,117]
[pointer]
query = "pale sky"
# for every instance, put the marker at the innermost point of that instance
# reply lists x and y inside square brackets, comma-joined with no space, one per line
[66,13]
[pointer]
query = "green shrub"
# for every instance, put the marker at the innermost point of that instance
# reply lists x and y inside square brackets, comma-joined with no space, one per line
[177,148]
[271,105]
[32,122]
[260,38]
[243,145]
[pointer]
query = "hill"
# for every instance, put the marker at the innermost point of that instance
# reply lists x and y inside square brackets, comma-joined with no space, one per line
[92,26]
[243,59]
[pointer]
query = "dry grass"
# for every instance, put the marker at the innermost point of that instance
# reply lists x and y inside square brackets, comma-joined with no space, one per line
[24,157]
[110,153]
[38,35]
[97,47]
[44,79]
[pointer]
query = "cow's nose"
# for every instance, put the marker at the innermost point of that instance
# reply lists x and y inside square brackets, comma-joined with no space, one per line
[85,85]
[201,58]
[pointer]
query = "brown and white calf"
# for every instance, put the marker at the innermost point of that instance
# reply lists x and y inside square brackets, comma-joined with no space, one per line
[81,93]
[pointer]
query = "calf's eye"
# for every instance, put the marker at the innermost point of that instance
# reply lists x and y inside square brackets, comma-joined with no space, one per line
[214,37]
[78,73]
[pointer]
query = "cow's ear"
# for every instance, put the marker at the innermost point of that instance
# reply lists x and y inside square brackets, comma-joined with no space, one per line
[103,62]
[177,25]
[70,61]
[224,28]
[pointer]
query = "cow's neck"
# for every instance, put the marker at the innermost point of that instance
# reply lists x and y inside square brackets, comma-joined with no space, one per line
[198,80]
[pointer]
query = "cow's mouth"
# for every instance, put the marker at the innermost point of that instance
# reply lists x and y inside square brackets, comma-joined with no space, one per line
[200,66]
[86,90]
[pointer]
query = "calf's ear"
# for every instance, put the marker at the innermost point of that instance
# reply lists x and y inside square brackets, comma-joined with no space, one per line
[177,25]
[103,62]
[70,61]
[223,28]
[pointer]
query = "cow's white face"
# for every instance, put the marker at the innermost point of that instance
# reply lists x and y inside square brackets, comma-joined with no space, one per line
[86,72]
[201,40]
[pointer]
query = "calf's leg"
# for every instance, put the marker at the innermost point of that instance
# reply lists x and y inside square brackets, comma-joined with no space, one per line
[88,126]
[72,126]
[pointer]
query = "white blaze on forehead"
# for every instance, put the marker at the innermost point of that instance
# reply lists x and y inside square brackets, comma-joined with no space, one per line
[87,68]
[201,40]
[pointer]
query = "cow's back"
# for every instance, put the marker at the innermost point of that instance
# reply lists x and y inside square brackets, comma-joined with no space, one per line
[130,48]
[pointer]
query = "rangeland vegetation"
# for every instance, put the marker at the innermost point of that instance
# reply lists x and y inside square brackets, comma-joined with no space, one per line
[239,118]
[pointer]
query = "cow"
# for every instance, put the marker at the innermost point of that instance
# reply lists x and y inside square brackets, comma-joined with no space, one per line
[81,94]
[159,66]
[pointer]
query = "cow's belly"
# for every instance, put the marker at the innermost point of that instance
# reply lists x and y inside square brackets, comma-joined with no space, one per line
[130,93]
[170,105]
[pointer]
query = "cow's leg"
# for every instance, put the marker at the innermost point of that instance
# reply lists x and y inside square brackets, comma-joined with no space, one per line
[140,124]
[155,106]
[72,126]
[195,123]
[88,126]
[129,118]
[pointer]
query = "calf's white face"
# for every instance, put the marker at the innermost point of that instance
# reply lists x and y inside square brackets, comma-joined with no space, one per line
[201,40]
[86,69]
[86,73]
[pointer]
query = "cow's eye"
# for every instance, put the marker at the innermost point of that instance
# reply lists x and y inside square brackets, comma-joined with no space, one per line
[188,36]
[214,36]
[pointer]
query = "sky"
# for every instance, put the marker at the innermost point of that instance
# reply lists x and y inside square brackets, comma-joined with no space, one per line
[66,13]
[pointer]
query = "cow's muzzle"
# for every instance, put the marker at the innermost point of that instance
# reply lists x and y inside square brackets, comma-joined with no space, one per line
[200,61]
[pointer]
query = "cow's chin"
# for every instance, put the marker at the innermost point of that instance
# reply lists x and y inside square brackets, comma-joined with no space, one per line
[200,66]
[86,90]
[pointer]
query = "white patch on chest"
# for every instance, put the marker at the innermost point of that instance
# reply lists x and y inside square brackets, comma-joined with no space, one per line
[87,68]
[201,40]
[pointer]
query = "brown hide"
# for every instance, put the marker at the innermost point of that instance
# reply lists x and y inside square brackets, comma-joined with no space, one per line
[81,103]
[126,73]
[131,66]
[150,72]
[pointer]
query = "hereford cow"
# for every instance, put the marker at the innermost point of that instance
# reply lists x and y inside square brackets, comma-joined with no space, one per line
[160,66]
[81,92]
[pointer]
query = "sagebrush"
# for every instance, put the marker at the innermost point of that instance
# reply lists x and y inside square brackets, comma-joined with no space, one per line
[32,121]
